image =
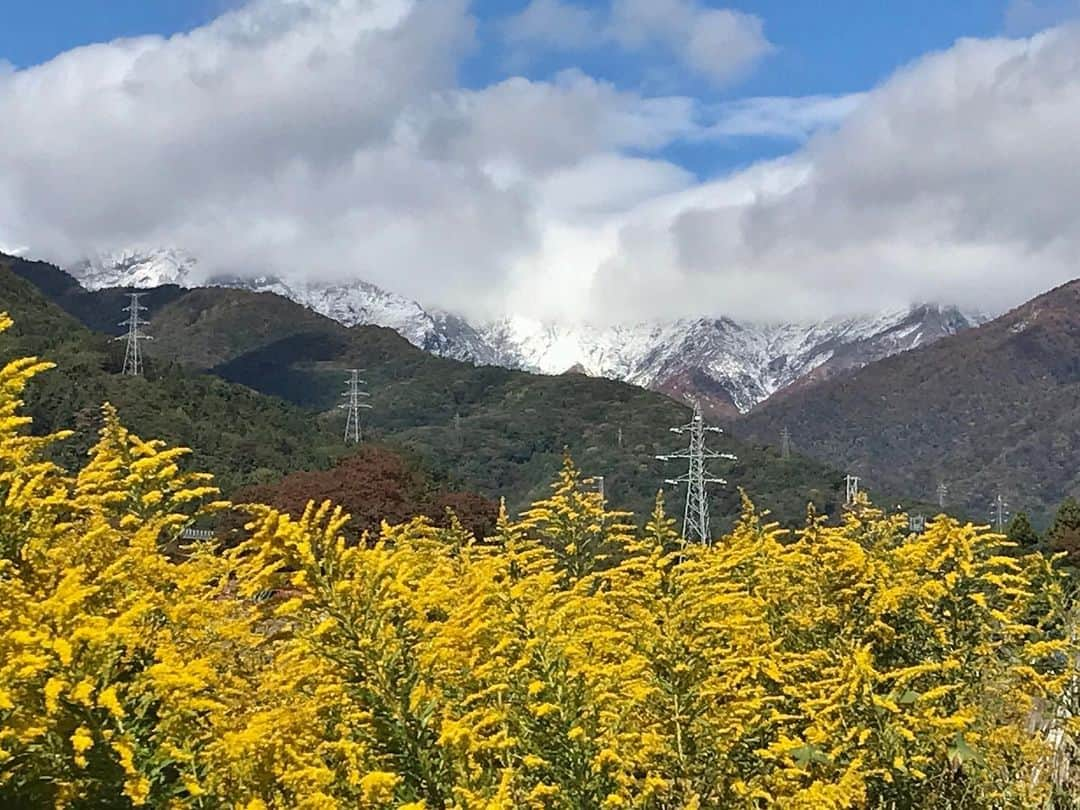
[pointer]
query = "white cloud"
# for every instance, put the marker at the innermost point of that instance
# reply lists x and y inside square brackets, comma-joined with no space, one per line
[1029,16]
[553,23]
[782,117]
[330,138]
[722,44]
[543,126]
[954,181]
[608,184]
[719,44]
[318,137]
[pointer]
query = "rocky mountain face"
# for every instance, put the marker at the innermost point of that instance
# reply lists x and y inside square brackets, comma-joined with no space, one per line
[136,268]
[730,365]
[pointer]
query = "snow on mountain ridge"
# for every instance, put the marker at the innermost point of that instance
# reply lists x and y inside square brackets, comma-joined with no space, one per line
[136,268]
[735,365]
[350,303]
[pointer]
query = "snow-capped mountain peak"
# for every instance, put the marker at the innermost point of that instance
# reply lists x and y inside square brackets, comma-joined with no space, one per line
[349,302]
[730,365]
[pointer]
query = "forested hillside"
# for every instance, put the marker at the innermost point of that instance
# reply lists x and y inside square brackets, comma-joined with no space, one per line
[242,436]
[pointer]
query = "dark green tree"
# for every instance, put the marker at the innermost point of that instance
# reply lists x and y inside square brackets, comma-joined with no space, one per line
[1064,533]
[1021,532]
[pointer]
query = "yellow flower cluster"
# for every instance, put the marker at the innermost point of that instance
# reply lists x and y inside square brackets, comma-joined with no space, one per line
[570,661]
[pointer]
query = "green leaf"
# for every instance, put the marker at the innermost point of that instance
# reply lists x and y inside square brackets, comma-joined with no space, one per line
[909,697]
[961,753]
[804,755]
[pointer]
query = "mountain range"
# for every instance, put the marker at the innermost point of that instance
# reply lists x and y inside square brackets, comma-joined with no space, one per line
[908,400]
[731,366]
[257,378]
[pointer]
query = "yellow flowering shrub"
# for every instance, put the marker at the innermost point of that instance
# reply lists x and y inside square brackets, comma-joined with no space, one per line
[570,661]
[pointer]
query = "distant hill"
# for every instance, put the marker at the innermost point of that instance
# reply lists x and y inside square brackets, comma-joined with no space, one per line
[995,408]
[488,429]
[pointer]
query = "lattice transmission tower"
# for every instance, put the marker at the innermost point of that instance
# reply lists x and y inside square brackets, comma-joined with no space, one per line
[785,443]
[942,494]
[133,363]
[354,401]
[697,477]
[999,512]
[851,489]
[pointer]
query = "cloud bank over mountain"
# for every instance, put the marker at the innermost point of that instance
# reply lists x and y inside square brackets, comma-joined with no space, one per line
[337,138]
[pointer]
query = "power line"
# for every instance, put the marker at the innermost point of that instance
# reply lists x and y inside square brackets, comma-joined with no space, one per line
[133,363]
[696,513]
[354,397]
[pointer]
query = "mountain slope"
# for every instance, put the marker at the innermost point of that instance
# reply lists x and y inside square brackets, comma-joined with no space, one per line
[732,365]
[729,365]
[996,408]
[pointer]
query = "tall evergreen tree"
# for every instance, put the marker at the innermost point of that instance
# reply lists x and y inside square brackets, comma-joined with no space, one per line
[1064,533]
[1021,532]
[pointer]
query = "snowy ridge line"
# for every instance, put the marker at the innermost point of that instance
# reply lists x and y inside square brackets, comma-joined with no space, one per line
[734,364]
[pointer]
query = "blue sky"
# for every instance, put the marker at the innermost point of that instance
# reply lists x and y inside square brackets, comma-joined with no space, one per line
[831,47]
[34,32]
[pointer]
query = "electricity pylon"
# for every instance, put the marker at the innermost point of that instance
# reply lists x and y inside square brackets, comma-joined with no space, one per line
[354,397]
[133,364]
[942,493]
[785,443]
[999,512]
[851,485]
[696,513]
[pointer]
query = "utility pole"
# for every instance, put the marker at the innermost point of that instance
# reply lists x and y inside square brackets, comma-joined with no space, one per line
[785,443]
[999,512]
[354,396]
[133,363]
[696,513]
[851,484]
